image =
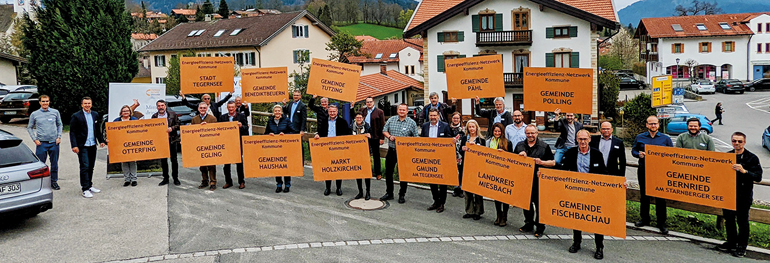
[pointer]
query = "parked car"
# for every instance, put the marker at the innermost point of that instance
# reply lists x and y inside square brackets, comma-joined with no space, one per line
[703,86]
[413,112]
[19,104]
[672,110]
[3,91]
[766,138]
[758,84]
[678,123]
[729,85]
[628,82]
[20,87]
[25,182]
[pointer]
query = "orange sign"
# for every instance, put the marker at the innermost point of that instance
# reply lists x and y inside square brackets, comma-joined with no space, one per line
[206,74]
[137,140]
[264,85]
[340,158]
[427,160]
[568,89]
[210,144]
[270,156]
[502,176]
[480,76]
[333,80]
[592,203]
[691,176]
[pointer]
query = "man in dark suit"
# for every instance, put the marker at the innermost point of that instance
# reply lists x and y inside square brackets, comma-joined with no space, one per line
[444,111]
[499,114]
[296,111]
[172,120]
[584,159]
[612,149]
[213,107]
[436,129]
[333,127]
[376,119]
[567,128]
[84,135]
[243,128]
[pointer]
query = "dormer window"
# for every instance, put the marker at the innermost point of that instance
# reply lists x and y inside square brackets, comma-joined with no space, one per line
[701,27]
[677,27]
[725,26]
[378,56]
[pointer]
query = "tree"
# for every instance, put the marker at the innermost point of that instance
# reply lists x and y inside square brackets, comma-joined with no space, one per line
[183,19]
[625,48]
[404,16]
[609,86]
[275,4]
[301,78]
[199,15]
[609,62]
[77,48]
[260,4]
[698,7]
[223,10]
[144,11]
[156,27]
[208,7]
[171,22]
[326,15]
[343,45]
[172,78]
[636,112]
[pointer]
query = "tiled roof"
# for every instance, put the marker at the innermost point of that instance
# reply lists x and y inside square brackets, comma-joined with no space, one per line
[754,15]
[427,9]
[378,84]
[662,26]
[601,8]
[365,38]
[255,31]
[384,47]
[12,57]
[186,12]
[143,36]
[6,17]
[150,14]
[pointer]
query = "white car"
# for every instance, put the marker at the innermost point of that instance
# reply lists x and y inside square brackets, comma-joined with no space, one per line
[669,111]
[703,86]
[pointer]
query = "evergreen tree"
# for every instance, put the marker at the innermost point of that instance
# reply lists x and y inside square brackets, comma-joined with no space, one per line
[144,11]
[173,77]
[208,7]
[260,4]
[224,11]
[199,15]
[77,48]
[326,15]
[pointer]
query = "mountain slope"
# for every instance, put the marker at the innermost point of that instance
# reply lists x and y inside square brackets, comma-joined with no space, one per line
[165,6]
[663,8]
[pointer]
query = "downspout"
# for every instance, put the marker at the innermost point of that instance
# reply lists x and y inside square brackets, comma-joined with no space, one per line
[748,61]
[260,56]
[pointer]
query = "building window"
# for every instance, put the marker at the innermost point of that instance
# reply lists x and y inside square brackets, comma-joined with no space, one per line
[406,69]
[561,60]
[767,47]
[521,20]
[654,47]
[450,37]
[701,27]
[250,59]
[413,68]
[677,48]
[728,46]
[561,32]
[239,59]
[759,28]
[160,80]
[487,22]
[395,98]
[767,27]
[759,48]
[705,47]
[299,31]
[160,61]
[301,56]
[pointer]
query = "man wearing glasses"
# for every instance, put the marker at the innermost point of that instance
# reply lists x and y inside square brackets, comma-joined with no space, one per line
[650,137]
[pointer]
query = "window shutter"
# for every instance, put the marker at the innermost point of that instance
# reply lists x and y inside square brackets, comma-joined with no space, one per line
[293,31]
[440,36]
[549,59]
[461,56]
[295,56]
[673,48]
[475,21]
[461,36]
[440,63]
[573,31]
[306,32]
[709,47]
[723,46]
[574,60]
[498,22]
[549,32]
[681,49]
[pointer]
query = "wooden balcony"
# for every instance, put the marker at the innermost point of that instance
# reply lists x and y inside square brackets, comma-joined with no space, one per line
[504,38]
[513,80]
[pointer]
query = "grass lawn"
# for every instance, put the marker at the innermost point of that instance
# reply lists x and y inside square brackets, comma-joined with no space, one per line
[379,32]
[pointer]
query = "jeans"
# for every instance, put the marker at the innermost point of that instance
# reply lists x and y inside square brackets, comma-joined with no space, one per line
[742,214]
[390,166]
[45,149]
[174,163]
[87,159]
[559,154]
[279,181]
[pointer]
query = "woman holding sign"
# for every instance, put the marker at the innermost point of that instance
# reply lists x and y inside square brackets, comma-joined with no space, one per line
[474,204]
[279,125]
[499,142]
[361,127]
[129,168]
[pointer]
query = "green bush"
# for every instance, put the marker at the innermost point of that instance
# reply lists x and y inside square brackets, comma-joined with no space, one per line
[639,68]
[636,112]
[608,62]
[609,86]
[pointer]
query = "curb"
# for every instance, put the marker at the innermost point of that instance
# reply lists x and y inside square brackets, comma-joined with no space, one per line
[695,238]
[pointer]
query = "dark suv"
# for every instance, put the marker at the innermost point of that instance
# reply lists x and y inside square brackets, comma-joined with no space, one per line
[19,104]
[729,85]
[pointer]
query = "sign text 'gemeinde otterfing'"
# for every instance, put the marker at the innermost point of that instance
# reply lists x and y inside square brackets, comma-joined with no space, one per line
[137,140]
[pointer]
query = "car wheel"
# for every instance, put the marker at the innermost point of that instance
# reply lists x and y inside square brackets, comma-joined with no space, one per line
[6,120]
[704,130]
[741,92]
[752,89]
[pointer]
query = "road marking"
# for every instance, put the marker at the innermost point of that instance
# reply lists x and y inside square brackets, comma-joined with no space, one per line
[759,104]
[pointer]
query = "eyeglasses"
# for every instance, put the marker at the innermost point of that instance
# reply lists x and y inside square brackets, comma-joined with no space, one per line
[737,141]
[652,124]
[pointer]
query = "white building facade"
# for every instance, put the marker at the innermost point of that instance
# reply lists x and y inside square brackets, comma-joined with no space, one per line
[759,54]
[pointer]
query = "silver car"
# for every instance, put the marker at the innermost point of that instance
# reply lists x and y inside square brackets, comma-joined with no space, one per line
[25,182]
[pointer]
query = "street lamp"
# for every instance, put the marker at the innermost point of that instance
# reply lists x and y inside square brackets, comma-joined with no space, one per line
[677,71]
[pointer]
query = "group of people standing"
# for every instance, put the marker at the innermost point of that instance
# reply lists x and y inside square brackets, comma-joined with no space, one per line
[576,150]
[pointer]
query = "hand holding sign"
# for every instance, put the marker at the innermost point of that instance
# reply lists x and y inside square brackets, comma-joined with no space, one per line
[206,74]
[476,76]
[333,79]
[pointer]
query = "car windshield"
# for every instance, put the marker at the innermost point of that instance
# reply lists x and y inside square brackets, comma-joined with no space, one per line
[734,82]
[16,155]
[181,109]
[704,82]
[17,96]
[3,92]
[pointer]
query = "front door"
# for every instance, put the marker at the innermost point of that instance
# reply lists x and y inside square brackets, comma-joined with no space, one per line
[758,72]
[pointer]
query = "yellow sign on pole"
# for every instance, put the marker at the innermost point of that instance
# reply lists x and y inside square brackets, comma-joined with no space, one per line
[662,92]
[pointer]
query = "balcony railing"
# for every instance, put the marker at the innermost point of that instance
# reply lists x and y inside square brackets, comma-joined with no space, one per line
[513,79]
[504,38]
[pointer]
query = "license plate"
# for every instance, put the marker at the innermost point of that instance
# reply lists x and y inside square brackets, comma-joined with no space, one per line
[10,188]
[10,113]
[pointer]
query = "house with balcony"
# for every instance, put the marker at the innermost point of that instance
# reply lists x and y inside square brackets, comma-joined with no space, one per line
[270,40]
[527,33]
[714,47]
[402,55]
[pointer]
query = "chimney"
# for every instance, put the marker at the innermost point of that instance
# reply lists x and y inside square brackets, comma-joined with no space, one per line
[207,17]
[384,69]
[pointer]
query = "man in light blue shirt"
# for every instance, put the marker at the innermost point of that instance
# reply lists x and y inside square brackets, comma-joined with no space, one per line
[515,132]
[84,134]
[45,128]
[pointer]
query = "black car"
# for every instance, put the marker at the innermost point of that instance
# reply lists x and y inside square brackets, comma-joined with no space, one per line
[729,85]
[19,104]
[626,82]
[758,84]
[175,104]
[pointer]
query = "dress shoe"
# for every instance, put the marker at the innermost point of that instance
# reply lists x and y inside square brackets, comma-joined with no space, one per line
[461,195]
[432,207]
[539,233]
[663,230]
[726,247]
[454,194]
[641,224]
[497,221]
[278,189]
[339,192]
[227,186]
[599,254]
[203,185]
[162,183]
[55,186]
[177,182]
[359,195]
[440,209]
[241,186]
[401,199]
[467,216]
[367,196]
[286,189]
[476,217]
[379,177]
[574,248]
[503,222]
[213,187]
[327,191]
[133,183]
[126,184]
[527,228]
[740,251]
[386,197]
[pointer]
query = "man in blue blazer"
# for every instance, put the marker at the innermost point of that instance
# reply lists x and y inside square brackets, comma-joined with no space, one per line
[84,135]
[296,111]
[436,129]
